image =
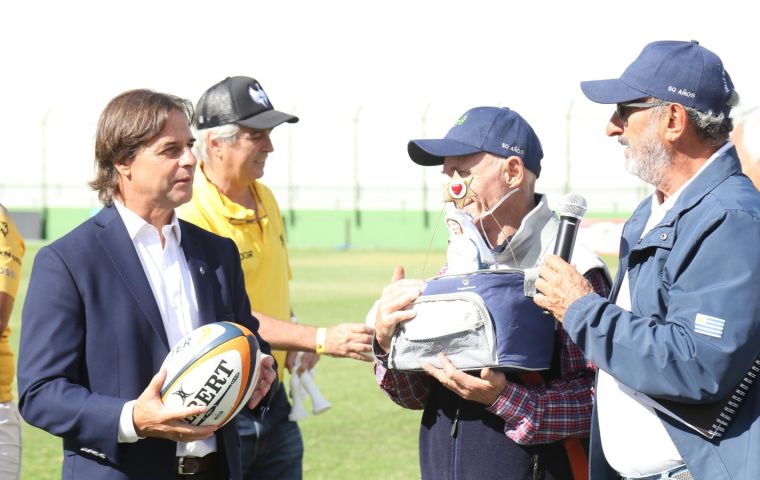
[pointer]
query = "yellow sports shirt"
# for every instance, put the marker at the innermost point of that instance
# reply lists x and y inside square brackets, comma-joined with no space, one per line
[11,251]
[261,241]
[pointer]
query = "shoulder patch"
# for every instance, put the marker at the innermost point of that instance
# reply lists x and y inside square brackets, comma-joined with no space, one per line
[707,325]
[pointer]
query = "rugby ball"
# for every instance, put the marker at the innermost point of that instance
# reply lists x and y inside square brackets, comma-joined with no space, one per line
[216,366]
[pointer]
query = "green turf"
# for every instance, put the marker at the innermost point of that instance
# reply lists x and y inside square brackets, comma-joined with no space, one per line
[365,435]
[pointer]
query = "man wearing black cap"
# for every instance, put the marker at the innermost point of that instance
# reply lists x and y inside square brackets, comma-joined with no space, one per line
[492,425]
[234,119]
[681,330]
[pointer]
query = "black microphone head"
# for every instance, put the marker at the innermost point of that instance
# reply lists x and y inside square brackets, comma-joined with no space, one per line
[572,205]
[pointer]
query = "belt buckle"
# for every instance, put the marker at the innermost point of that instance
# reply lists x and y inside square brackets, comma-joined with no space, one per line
[181,467]
[680,473]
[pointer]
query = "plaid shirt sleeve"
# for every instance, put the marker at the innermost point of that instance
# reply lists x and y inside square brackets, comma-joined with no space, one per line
[559,409]
[408,389]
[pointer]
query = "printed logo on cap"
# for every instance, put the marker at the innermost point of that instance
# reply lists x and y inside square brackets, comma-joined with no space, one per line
[461,120]
[258,95]
[513,148]
[726,87]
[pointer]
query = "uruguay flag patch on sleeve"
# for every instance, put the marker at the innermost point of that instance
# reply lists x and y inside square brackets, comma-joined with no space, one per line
[707,325]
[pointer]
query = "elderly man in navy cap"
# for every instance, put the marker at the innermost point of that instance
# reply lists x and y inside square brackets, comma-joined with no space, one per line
[677,342]
[490,424]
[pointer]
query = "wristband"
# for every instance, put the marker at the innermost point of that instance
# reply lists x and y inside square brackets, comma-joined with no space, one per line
[321,334]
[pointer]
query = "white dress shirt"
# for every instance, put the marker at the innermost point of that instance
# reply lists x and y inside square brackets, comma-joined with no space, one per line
[634,440]
[172,286]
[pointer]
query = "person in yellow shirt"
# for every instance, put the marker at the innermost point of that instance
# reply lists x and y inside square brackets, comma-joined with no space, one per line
[11,252]
[234,119]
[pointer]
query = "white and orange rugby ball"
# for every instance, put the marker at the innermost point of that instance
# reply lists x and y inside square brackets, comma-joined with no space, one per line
[216,366]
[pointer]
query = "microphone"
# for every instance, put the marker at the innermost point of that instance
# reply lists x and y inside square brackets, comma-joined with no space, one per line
[571,210]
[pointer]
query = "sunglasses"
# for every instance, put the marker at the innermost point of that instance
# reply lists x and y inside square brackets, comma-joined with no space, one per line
[621,108]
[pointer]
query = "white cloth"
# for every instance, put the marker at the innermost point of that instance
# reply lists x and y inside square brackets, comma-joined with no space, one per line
[634,440]
[10,442]
[461,255]
[172,286]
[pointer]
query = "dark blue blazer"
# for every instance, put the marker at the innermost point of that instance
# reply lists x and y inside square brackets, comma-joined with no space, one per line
[92,338]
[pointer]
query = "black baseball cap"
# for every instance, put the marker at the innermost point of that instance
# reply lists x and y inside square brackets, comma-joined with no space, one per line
[238,100]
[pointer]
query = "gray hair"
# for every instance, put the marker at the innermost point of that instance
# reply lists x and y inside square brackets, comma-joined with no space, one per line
[749,119]
[226,133]
[713,127]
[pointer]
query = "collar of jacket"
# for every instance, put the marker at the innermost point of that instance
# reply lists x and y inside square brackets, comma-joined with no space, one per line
[716,173]
[663,234]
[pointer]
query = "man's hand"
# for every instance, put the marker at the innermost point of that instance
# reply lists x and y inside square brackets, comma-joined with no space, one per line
[559,284]
[485,390]
[266,377]
[342,340]
[391,307]
[308,361]
[349,340]
[154,419]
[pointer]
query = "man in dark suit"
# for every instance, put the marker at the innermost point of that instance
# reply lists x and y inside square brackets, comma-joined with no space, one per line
[106,301]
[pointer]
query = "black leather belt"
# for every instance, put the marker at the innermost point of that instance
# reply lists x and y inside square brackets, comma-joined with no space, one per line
[195,465]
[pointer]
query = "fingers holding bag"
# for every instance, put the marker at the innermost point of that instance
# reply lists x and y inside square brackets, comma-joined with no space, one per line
[392,306]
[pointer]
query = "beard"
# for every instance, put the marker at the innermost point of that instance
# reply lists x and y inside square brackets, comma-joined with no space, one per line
[648,159]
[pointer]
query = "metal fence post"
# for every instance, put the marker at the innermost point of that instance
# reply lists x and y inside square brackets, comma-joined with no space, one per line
[357,188]
[425,213]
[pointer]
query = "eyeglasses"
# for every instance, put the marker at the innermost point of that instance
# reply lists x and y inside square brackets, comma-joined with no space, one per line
[620,108]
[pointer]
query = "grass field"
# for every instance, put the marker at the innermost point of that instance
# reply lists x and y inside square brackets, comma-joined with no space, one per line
[365,435]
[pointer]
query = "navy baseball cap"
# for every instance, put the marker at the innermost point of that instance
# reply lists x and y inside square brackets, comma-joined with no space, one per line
[499,131]
[238,100]
[673,71]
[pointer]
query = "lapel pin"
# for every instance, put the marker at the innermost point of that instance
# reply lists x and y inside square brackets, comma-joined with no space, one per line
[203,271]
